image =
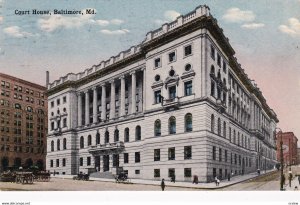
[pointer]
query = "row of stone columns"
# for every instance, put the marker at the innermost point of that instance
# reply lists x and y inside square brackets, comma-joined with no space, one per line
[112,113]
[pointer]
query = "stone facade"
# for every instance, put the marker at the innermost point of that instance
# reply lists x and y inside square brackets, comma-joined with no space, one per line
[177,104]
[23,107]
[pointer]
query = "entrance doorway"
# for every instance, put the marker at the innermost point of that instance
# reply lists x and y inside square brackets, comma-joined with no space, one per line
[105,163]
[97,163]
[4,163]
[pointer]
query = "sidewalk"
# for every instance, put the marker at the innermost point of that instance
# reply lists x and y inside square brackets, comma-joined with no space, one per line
[212,185]
[294,183]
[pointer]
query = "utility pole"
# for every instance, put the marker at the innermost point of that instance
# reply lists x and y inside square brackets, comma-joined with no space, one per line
[281,162]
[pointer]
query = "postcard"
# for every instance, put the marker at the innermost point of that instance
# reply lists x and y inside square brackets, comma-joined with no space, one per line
[195,98]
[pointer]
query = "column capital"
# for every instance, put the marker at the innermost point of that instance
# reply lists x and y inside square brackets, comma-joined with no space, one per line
[143,68]
[86,91]
[132,72]
[122,77]
[94,88]
[103,84]
[112,81]
[79,94]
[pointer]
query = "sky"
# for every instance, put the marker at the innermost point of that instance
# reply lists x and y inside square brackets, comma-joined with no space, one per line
[264,33]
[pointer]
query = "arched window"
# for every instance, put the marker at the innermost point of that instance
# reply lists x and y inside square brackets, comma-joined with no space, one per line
[219,126]
[157,128]
[212,123]
[224,129]
[64,143]
[18,106]
[219,75]
[29,109]
[138,134]
[188,122]
[126,134]
[172,125]
[81,142]
[40,111]
[116,135]
[106,136]
[89,140]
[58,144]
[98,138]
[52,146]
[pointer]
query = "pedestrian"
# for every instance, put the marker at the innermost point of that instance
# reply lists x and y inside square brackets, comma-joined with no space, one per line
[162,184]
[216,180]
[228,177]
[299,179]
[283,179]
[290,179]
[195,180]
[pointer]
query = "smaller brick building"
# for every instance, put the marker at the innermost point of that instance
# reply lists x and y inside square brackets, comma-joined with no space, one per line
[290,149]
[23,127]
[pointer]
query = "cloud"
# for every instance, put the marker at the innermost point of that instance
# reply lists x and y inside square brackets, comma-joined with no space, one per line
[171,15]
[54,22]
[1,19]
[116,21]
[15,31]
[253,25]
[114,32]
[236,15]
[292,29]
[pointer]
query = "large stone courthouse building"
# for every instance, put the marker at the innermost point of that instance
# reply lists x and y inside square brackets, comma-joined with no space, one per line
[178,104]
[23,127]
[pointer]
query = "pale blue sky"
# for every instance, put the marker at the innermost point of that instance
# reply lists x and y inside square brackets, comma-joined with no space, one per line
[264,33]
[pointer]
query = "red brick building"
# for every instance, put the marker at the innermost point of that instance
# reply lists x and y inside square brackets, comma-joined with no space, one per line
[290,155]
[23,127]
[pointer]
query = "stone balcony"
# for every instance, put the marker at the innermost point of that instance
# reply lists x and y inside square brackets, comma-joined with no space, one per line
[257,133]
[170,104]
[101,149]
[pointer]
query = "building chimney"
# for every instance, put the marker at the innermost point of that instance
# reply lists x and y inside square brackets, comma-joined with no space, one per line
[47,79]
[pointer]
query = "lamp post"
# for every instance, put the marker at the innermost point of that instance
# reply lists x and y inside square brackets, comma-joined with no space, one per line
[281,159]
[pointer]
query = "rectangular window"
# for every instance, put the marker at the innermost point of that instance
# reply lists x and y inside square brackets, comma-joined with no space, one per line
[52,125]
[157,63]
[57,162]
[137,157]
[187,172]
[225,155]
[64,162]
[126,158]
[172,92]
[188,152]
[157,96]
[157,155]
[188,50]
[214,153]
[171,153]
[64,99]
[171,172]
[212,52]
[51,163]
[65,122]
[52,104]
[156,173]
[172,56]
[188,88]
[88,161]
[58,101]
[219,60]
[137,171]
[224,66]
[81,161]
[220,154]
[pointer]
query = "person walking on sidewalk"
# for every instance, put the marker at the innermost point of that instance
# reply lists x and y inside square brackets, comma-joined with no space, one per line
[290,179]
[216,180]
[228,177]
[162,184]
[299,179]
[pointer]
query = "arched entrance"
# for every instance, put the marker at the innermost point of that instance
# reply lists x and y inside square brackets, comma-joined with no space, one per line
[17,163]
[40,164]
[28,163]
[4,163]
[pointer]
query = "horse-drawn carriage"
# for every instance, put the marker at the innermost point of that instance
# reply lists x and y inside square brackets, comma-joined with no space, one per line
[24,177]
[81,176]
[42,176]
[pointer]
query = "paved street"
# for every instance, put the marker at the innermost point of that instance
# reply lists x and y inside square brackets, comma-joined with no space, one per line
[251,182]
